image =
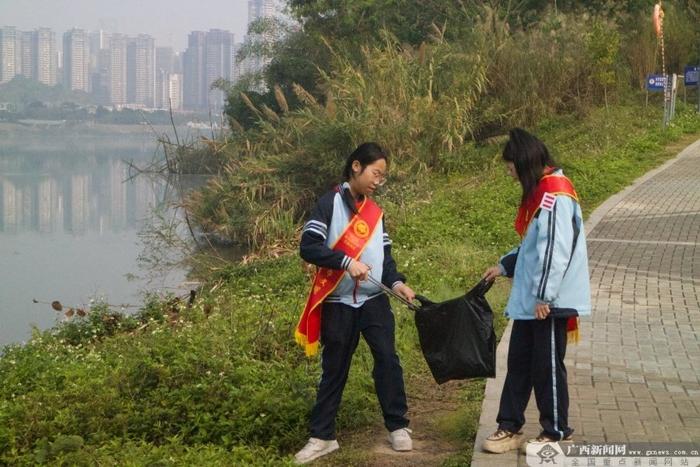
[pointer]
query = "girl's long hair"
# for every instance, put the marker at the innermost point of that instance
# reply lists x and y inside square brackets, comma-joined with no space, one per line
[530,157]
[365,154]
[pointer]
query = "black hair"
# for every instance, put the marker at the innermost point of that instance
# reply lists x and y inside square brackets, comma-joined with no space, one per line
[530,157]
[365,154]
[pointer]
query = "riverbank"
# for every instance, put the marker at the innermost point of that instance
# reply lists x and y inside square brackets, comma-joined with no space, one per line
[84,137]
[221,382]
[28,125]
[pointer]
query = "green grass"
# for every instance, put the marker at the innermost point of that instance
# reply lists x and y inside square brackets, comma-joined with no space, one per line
[222,382]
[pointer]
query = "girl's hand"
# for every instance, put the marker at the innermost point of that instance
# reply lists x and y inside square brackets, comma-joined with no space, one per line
[492,273]
[541,311]
[358,271]
[405,291]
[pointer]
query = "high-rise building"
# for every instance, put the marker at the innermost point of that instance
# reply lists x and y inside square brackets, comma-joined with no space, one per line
[101,79]
[44,56]
[59,66]
[258,9]
[165,59]
[27,52]
[99,65]
[141,71]
[76,60]
[175,91]
[99,40]
[219,50]
[131,70]
[23,52]
[18,53]
[118,70]
[210,56]
[194,82]
[161,88]
[8,58]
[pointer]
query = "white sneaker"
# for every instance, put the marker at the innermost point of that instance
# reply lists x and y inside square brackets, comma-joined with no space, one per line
[502,441]
[401,439]
[314,449]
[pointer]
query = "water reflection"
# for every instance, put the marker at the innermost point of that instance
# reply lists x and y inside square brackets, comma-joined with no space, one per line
[70,227]
[96,200]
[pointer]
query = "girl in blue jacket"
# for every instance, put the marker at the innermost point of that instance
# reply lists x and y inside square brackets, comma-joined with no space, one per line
[550,291]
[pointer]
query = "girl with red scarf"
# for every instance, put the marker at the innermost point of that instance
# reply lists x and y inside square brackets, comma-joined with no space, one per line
[550,291]
[345,238]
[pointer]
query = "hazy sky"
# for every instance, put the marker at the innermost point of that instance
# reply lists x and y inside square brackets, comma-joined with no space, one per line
[169,21]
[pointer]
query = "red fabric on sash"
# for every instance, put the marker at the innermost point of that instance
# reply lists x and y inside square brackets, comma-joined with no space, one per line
[351,242]
[552,184]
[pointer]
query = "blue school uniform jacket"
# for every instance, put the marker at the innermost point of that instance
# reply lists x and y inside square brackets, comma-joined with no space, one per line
[551,264]
[327,222]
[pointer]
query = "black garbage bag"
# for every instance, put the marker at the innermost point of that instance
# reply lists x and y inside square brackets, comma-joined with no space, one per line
[457,336]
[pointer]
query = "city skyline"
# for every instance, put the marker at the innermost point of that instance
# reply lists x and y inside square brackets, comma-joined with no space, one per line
[169,22]
[132,70]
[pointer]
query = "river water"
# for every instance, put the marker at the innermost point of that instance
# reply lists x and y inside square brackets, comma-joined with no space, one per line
[72,228]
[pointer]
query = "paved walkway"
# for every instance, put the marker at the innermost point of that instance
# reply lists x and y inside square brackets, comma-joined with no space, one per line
[635,375]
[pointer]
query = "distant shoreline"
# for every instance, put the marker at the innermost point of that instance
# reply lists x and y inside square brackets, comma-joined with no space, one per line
[28,125]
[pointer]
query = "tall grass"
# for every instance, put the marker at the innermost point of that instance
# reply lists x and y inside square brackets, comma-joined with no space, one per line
[427,104]
[412,100]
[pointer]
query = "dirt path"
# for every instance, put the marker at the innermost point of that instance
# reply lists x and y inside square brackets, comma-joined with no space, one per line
[439,424]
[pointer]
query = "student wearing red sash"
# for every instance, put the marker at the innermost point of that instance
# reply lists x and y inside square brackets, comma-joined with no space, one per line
[550,291]
[345,238]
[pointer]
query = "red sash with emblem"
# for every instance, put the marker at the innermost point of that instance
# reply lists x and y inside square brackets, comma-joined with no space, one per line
[544,195]
[351,242]
[549,185]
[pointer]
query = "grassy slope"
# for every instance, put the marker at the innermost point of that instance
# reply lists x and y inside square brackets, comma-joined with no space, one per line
[223,383]
[466,221]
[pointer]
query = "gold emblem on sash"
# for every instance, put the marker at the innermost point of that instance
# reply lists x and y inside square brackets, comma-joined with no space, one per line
[361,229]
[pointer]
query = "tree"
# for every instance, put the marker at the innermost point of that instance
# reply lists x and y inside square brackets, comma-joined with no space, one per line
[298,53]
[603,47]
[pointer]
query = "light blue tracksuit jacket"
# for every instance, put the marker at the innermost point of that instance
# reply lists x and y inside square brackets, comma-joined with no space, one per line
[551,264]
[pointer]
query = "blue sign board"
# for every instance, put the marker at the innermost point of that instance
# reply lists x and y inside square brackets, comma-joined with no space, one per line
[656,82]
[691,75]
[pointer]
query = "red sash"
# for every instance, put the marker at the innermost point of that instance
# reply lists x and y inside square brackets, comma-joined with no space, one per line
[351,242]
[552,185]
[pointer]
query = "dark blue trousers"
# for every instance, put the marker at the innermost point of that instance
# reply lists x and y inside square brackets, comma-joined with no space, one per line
[341,326]
[536,361]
